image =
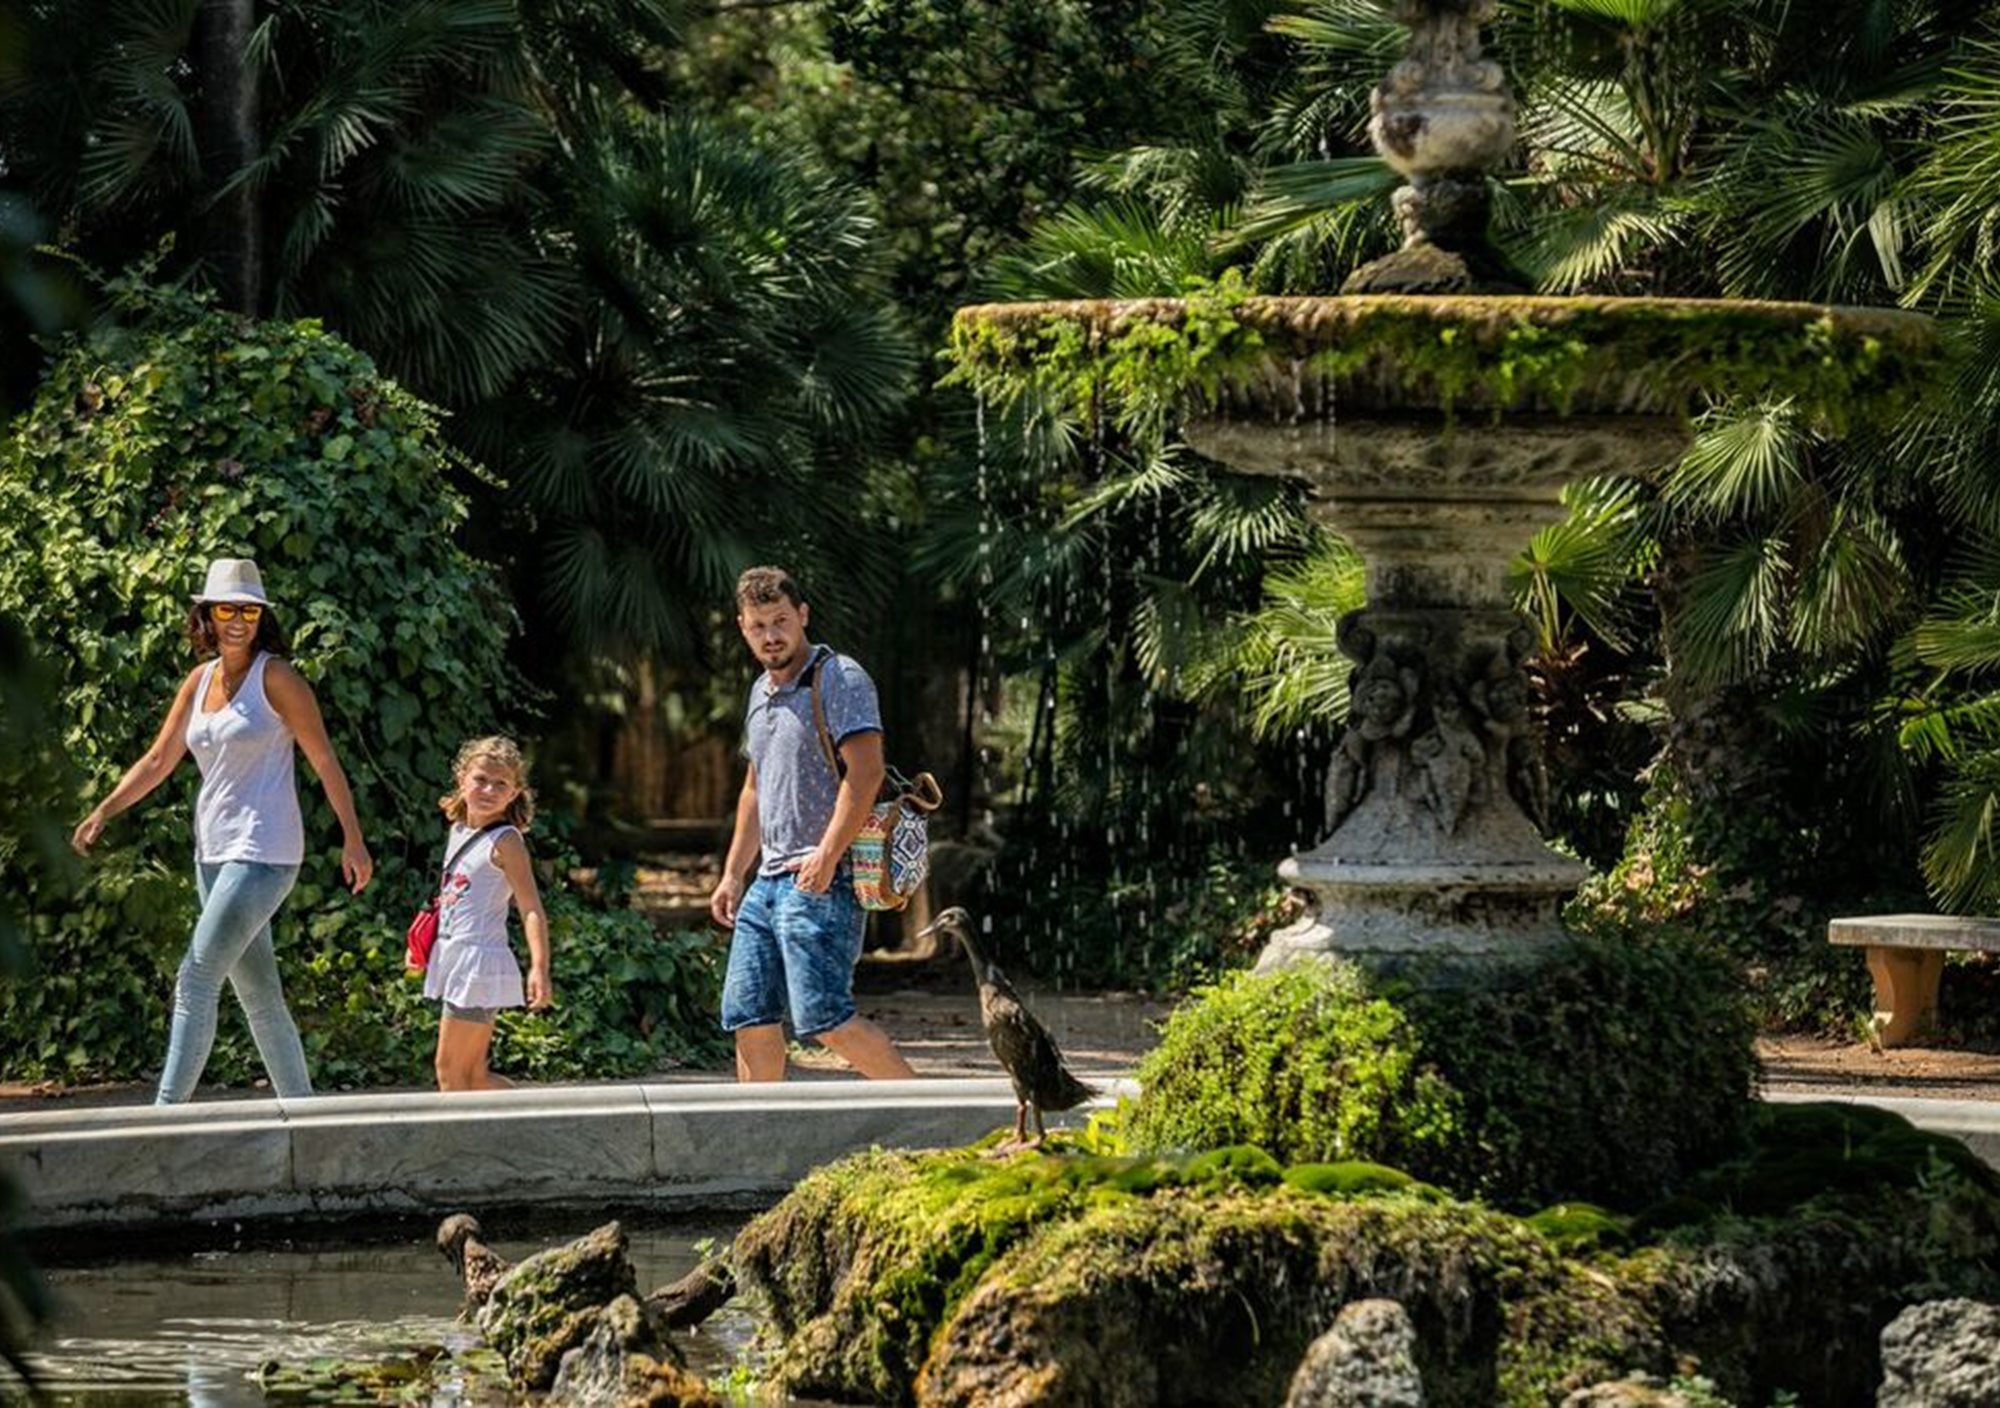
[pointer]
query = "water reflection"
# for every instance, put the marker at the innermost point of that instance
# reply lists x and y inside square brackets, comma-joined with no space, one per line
[195,1327]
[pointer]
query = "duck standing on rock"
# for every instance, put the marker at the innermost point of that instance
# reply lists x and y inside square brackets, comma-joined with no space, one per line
[1020,1042]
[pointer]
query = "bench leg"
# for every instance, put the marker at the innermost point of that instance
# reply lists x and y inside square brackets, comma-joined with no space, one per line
[1906,992]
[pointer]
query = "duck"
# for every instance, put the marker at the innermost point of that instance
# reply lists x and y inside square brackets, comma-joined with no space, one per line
[1023,1046]
[478,1264]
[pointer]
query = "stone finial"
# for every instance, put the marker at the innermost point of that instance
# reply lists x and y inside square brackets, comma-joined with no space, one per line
[1443,118]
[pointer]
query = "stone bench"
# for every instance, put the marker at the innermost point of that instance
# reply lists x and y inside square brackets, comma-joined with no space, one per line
[1906,958]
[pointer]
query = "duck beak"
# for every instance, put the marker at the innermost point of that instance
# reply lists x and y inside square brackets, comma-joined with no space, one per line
[930,928]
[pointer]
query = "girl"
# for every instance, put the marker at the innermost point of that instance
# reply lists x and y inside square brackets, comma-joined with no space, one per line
[241,714]
[472,970]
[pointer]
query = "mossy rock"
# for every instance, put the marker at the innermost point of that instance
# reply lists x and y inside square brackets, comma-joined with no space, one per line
[551,1302]
[1536,355]
[948,1279]
[1599,1071]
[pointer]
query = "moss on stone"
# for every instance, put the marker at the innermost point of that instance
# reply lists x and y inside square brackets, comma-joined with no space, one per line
[1222,348]
[1058,1278]
[1355,1178]
[1310,1063]
[549,1303]
[1600,1070]
[866,1257]
[1574,1227]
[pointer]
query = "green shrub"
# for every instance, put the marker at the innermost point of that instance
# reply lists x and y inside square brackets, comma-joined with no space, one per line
[1306,1064]
[187,434]
[1598,1071]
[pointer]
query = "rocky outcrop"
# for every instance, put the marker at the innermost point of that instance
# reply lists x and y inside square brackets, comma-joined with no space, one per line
[1942,1354]
[1367,1360]
[1056,1278]
[549,1303]
[625,1361]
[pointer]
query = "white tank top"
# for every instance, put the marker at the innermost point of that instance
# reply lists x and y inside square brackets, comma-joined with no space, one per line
[472,907]
[249,803]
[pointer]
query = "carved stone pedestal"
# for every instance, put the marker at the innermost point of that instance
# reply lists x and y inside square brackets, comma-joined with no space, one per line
[1437,797]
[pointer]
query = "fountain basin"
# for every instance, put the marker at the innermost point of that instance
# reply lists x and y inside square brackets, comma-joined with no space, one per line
[673,1147]
[1231,354]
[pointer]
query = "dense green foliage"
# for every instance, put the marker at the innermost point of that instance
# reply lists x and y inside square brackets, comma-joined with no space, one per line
[187,434]
[684,342]
[1600,1070]
[1102,1278]
[642,324]
[1308,1063]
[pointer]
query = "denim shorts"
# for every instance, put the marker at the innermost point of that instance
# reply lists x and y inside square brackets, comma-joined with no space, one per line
[794,953]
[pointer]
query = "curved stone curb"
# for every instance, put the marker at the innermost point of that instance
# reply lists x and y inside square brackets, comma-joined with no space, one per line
[666,1146]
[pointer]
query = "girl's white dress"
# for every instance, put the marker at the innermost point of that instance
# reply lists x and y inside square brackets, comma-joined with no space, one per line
[472,964]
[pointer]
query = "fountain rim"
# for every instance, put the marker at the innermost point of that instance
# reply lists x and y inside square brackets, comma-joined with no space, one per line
[1441,356]
[1460,309]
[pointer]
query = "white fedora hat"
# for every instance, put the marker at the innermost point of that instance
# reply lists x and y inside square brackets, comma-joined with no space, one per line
[234,579]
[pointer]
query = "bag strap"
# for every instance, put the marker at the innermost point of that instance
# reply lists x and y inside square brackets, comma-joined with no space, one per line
[819,722]
[456,856]
[923,793]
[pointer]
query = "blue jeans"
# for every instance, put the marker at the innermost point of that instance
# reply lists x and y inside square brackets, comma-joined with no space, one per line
[232,939]
[793,951]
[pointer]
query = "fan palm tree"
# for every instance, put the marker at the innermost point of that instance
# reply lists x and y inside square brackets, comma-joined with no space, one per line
[647,327]
[729,359]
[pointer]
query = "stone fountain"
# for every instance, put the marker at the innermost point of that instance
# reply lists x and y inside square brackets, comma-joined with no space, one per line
[1436,414]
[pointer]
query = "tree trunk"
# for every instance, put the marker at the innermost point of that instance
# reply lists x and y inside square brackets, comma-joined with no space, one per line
[233,226]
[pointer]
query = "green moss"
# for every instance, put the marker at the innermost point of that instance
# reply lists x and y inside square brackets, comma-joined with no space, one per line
[1309,1064]
[1602,1070]
[1355,1178]
[1582,1227]
[1829,1155]
[1139,1281]
[1138,361]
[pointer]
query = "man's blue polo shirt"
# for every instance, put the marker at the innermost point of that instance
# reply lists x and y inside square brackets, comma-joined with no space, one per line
[795,787]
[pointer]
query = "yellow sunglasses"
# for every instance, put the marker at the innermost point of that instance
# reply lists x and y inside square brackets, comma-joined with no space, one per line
[229,611]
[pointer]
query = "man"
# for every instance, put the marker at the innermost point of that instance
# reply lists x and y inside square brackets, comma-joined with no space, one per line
[798,926]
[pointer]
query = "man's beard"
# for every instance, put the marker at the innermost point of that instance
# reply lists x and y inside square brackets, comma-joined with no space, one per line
[778,666]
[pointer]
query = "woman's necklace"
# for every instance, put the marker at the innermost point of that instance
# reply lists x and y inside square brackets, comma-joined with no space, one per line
[230,686]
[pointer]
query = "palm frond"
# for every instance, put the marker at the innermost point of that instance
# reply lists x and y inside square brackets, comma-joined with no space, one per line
[1746,460]
[1291,198]
[1734,609]
[1291,670]
[1964,635]
[1586,565]
[1960,860]
[1851,590]
[1115,250]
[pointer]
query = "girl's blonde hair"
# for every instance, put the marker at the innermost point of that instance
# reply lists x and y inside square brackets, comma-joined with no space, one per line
[503,752]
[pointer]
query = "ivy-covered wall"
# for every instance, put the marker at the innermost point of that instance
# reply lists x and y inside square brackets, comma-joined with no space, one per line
[181,434]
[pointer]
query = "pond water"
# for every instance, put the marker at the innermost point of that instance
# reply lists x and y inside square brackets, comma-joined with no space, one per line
[194,1326]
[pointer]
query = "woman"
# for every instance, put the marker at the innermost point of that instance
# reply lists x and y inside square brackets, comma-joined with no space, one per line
[240,713]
